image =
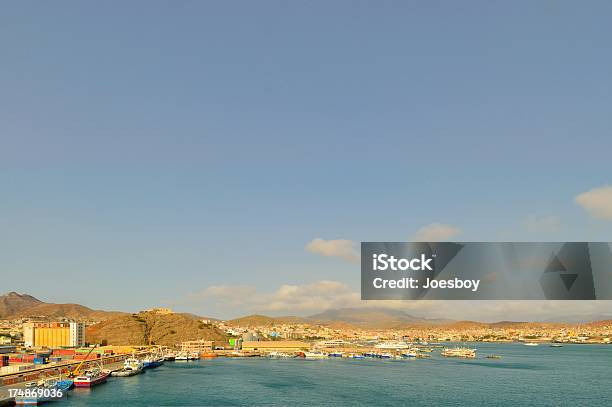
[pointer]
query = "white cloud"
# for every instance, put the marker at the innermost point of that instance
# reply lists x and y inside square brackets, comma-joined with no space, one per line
[334,248]
[541,224]
[597,202]
[435,232]
[288,298]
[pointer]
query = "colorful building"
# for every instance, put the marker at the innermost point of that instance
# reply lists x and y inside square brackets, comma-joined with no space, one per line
[53,334]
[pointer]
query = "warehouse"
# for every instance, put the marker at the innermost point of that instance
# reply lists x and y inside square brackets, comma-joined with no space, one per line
[275,346]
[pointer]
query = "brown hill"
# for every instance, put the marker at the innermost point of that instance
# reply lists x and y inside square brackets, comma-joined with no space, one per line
[72,311]
[13,303]
[158,329]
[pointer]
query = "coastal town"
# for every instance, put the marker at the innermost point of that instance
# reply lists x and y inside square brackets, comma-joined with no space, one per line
[43,353]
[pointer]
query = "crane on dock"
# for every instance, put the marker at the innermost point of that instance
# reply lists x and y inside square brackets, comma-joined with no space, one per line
[77,370]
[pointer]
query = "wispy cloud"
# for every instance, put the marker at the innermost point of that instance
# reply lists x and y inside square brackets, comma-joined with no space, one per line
[597,202]
[435,232]
[334,248]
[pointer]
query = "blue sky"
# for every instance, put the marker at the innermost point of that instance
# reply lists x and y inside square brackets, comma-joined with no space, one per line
[151,150]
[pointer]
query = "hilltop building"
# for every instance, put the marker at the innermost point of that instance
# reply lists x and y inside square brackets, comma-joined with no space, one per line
[162,311]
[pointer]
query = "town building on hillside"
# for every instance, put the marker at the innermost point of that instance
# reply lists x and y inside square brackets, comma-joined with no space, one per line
[162,311]
[199,346]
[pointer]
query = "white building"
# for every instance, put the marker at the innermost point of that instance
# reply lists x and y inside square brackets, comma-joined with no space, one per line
[77,334]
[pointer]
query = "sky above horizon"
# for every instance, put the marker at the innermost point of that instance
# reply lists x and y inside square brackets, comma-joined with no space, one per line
[227,158]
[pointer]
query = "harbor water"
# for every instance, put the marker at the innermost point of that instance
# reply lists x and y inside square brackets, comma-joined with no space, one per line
[540,375]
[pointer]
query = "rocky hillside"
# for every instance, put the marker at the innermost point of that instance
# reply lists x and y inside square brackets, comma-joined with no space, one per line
[158,329]
[13,303]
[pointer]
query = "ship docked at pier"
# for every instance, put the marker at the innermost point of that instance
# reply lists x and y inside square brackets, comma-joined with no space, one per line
[91,378]
[131,366]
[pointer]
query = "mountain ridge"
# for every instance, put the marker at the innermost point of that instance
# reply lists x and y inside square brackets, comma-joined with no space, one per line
[15,305]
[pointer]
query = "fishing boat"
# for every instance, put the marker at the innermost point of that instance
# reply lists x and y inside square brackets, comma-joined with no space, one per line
[151,362]
[131,367]
[531,344]
[556,345]
[51,390]
[91,378]
[493,356]
[356,356]
[335,354]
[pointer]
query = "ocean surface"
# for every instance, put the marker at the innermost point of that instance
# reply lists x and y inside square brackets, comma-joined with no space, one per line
[574,375]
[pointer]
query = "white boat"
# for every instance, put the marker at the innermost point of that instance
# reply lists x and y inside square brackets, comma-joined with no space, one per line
[409,354]
[531,344]
[315,355]
[181,356]
[131,367]
[279,355]
[392,345]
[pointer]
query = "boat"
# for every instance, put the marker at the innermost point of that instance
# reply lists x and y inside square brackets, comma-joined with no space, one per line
[168,357]
[493,356]
[410,354]
[151,362]
[131,367]
[556,345]
[278,355]
[531,344]
[465,353]
[51,390]
[315,355]
[392,345]
[335,354]
[91,378]
[385,356]
[181,356]
[356,356]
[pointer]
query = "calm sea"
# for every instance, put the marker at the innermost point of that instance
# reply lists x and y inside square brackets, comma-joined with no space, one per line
[576,375]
